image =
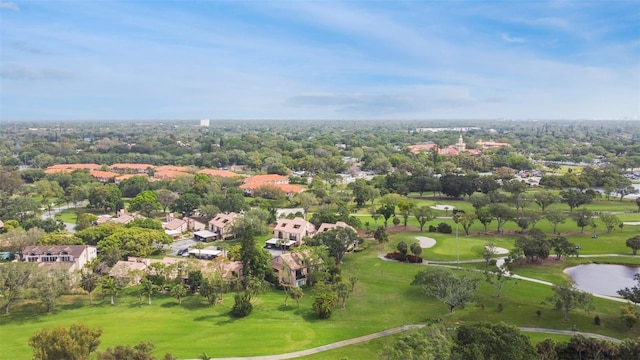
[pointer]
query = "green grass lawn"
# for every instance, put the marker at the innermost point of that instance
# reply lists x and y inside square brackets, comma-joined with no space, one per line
[383,299]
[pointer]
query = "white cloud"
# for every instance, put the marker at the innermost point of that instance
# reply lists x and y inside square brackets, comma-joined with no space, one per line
[9,6]
[509,39]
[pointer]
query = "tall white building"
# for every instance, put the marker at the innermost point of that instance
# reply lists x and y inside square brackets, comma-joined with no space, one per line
[204,122]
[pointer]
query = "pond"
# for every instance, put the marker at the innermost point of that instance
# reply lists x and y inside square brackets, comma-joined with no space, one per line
[604,279]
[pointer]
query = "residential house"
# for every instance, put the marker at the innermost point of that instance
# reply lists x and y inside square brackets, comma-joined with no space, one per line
[194,225]
[124,177]
[72,256]
[290,232]
[222,225]
[131,168]
[169,174]
[125,218]
[291,268]
[103,176]
[130,271]
[103,219]
[231,271]
[174,227]
[340,224]
[183,169]
[288,189]
[267,179]
[68,168]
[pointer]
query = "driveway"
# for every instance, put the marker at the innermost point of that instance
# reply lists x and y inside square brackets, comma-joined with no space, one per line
[179,244]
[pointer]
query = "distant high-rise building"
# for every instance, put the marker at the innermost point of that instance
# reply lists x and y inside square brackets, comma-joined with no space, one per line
[204,122]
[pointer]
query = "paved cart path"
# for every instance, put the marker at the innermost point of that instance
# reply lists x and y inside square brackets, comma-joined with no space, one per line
[396,330]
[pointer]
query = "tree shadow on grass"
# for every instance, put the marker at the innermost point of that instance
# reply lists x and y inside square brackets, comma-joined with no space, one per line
[137,304]
[190,305]
[309,316]
[223,318]
[286,308]
[75,304]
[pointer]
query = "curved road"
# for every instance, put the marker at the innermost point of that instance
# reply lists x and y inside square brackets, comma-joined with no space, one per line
[51,215]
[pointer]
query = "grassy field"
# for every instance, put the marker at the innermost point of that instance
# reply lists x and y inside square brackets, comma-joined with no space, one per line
[382,299]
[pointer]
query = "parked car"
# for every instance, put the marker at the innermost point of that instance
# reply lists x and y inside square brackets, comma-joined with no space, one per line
[183,251]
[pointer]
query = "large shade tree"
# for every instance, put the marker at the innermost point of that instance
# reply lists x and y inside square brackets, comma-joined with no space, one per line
[452,287]
[491,341]
[569,297]
[337,241]
[75,343]
[423,214]
[633,243]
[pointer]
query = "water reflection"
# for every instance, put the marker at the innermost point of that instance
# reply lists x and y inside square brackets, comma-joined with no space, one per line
[604,279]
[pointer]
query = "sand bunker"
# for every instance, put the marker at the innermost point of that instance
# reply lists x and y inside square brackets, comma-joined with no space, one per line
[443,207]
[632,223]
[426,242]
[500,250]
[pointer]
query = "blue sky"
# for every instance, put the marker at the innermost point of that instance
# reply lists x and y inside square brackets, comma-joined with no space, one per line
[319,59]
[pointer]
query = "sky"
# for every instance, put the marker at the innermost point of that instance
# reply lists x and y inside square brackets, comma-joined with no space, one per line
[474,59]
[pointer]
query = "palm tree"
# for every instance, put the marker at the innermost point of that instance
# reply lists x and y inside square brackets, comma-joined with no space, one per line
[281,243]
[353,280]
[178,292]
[342,290]
[89,282]
[199,246]
[416,249]
[296,294]
[148,288]
[110,287]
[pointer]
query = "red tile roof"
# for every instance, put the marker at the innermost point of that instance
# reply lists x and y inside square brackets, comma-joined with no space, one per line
[271,178]
[131,166]
[67,168]
[168,174]
[174,168]
[103,174]
[129,176]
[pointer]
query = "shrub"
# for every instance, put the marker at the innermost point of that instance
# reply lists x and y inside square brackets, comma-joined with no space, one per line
[500,307]
[596,320]
[432,228]
[242,306]
[444,228]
